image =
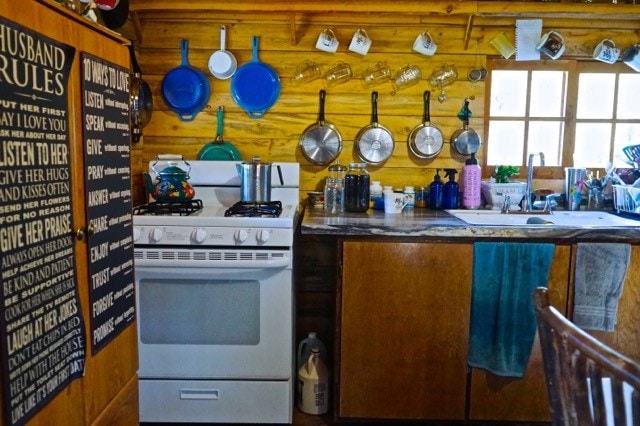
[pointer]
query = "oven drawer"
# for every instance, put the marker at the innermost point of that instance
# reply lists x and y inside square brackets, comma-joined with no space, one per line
[204,401]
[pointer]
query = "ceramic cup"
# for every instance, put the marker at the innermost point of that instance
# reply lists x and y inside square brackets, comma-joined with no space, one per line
[327,41]
[503,45]
[551,44]
[360,43]
[339,73]
[606,51]
[306,72]
[424,44]
[631,57]
[376,74]
[394,202]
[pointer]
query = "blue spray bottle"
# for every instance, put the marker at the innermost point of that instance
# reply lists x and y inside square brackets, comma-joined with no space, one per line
[451,189]
[435,192]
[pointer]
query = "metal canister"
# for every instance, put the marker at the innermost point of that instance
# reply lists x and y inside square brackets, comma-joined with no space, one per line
[421,200]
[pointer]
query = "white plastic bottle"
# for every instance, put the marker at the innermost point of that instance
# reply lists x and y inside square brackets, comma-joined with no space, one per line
[471,175]
[313,384]
[409,197]
[304,349]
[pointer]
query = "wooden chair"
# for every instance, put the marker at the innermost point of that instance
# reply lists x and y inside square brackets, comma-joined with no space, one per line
[588,382]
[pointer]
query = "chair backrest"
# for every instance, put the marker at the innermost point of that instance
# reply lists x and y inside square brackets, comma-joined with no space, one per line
[588,382]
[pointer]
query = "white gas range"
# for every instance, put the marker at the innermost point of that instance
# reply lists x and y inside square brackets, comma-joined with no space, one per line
[215,303]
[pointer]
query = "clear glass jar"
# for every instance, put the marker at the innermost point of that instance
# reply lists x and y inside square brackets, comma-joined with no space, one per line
[356,188]
[334,196]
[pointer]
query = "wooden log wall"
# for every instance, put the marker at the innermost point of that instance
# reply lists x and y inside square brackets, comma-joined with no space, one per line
[288,38]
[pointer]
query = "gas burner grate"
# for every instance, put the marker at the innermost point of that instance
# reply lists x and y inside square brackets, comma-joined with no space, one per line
[249,209]
[169,209]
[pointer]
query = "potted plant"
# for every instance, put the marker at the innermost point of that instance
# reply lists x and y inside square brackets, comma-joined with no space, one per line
[494,191]
[503,173]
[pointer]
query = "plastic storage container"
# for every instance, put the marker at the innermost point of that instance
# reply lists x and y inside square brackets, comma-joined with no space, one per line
[356,188]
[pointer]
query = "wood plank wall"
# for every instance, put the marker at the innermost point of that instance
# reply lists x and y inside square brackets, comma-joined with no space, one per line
[288,39]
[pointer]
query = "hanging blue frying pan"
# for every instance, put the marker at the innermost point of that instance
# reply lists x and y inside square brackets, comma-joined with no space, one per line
[255,86]
[185,89]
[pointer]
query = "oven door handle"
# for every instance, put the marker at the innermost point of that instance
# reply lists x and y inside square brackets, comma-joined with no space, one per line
[147,259]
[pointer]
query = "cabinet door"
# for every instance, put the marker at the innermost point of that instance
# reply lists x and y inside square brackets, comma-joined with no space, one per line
[403,334]
[508,398]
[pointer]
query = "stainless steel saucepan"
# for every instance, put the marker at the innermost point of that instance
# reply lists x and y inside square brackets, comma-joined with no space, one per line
[321,142]
[466,140]
[426,140]
[374,142]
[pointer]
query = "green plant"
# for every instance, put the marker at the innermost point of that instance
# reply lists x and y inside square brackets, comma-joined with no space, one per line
[504,173]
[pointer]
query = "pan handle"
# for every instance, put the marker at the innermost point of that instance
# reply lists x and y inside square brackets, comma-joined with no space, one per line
[219,137]
[427,100]
[323,94]
[465,114]
[254,46]
[374,107]
[184,48]
[134,62]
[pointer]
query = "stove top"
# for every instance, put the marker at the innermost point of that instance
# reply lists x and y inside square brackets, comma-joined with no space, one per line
[249,209]
[168,209]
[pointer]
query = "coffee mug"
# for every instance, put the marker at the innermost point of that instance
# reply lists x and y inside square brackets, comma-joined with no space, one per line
[406,76]
[606,51]
[339,73]
[327,41]
[376,74]
[360,43]
[551,44]
[631,57]
[306,72]
[394,202]
[503,45]
[424,44]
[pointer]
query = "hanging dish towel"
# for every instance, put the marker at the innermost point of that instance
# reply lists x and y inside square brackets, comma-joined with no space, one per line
[503,323]
[599,276]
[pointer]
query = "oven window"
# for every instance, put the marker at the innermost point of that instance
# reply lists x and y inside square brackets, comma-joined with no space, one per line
[199,312]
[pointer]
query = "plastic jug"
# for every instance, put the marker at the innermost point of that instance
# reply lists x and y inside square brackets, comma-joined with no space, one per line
[304,349]
[313,384]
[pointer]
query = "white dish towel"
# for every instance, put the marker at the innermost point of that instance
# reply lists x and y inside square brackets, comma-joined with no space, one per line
[599,277]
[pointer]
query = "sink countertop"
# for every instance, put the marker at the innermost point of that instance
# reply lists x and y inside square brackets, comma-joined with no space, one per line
[420,224]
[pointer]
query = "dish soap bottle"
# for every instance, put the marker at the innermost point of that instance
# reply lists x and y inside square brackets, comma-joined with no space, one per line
[435,192]
[451,188]
[471,176]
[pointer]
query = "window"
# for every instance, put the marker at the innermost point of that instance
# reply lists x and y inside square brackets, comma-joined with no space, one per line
[577,114]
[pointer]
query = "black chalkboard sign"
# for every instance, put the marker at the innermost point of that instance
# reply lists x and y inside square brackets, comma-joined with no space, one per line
[107,142]
[43,337]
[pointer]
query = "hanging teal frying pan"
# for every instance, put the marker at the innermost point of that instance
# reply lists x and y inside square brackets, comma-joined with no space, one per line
[185,89]
[255,86]
[219,149]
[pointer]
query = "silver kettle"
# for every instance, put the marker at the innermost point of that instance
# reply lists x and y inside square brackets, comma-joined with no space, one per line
[255,181]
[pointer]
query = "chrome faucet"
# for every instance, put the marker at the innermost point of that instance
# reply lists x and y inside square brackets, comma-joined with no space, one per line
[528,193]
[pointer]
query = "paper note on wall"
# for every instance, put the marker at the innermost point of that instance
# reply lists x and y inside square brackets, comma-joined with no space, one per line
[528,32]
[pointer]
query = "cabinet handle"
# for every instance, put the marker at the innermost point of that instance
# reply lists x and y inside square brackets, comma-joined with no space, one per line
[84,232]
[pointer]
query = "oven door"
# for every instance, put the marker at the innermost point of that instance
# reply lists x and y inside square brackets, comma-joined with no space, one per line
[214,322]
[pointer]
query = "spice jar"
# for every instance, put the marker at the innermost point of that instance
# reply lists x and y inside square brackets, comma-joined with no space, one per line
[356,188]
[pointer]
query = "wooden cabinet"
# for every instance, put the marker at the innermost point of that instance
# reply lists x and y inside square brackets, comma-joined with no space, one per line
[403,337]
[404,326]
[107,394]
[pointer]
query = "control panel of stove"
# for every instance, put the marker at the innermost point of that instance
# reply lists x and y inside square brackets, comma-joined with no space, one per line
[211,236]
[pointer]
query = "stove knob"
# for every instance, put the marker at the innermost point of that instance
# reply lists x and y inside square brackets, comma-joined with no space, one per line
[136,234]
[240,236]
[263,236]
[198,235]
[156,235]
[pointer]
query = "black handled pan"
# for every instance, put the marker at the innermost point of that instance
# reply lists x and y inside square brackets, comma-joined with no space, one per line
[425,140]
[321,142]
[140,99]
[374,143]
[466,140]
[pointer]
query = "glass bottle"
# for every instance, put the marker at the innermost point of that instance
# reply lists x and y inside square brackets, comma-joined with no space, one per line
[334,196]
[356,188]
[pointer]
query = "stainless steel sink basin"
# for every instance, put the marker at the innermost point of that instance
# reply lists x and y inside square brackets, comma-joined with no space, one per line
[592,219]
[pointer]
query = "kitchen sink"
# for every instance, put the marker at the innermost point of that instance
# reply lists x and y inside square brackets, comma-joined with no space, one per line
[599,219]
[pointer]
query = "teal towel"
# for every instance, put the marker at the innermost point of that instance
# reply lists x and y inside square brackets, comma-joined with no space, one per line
[503,323]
